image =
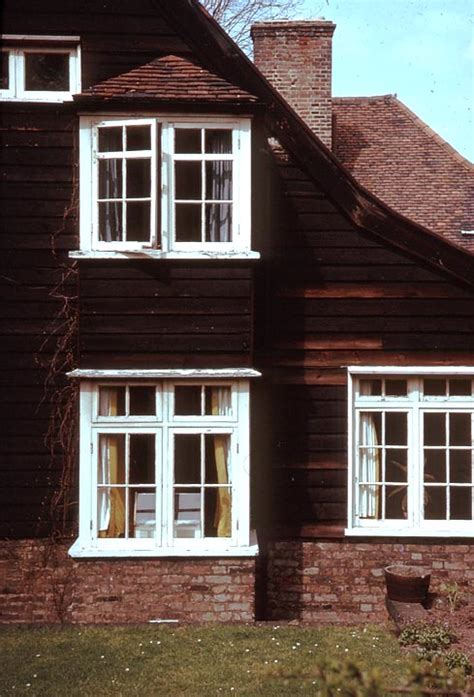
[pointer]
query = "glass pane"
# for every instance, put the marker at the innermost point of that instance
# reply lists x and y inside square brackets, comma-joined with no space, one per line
[460,429]
[217,512]
[110,139]
[217,448]
[218,401]
[138,178]
[396,502]
[219,181]
[142,458]
[218,140]
[460,387]
[188,181]
[187,513]
[434,387]
[47,71]
[460,503]
[187,400]
[111,401]
[138,137]
[395,428]
[142,401]
[111,512]
[4,70]
[218,222]
[434,429]
[370,428]
[111,460]
[187,458]
[188,222]
[142,512]
[460,466]
[435,503]
[396,469]
[187,141]
[396,388]
[370,503]
[110,221]
[138,221]
[370,388]
[370,464]
[435,466]
[110,178]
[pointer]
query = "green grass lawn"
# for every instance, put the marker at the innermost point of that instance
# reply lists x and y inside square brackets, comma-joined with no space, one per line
[171,660]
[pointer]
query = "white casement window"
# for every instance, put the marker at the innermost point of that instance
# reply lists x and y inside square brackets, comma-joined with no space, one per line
[411,469]
[164,468]
[39,68]
[161,186]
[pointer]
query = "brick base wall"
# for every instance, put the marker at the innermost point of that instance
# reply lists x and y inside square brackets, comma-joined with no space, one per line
[343,581]
[40,583]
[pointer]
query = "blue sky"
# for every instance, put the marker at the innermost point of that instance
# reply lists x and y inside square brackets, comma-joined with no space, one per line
[421,50]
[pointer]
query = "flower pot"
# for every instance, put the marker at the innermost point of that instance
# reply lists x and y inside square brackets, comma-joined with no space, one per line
[407,584]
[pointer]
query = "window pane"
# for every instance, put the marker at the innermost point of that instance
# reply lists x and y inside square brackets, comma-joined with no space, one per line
[110,139]
[460,387]
[110,178]
[187,400]
[435,466]
[460,466]
[396,502]
[217,448]
[219,181]
[217,512]
[395,428]
[370,503]
[138,178]
[142,401]
[138,221]
[111,460]
[187,458]
[218,140]
[218,222]
[142,511]
[460,429]
[111,401]
[187,513]
[110,221]
[188,181]
[188,222]
[395,388]
[435,503]
[370,387]
[434,429]
[187,141]
[142,458]
[460,503]
[218,401]
[4,70]
[138,137]
[111,512]
[47,71]
[370,428]
[434,387]
[396,465]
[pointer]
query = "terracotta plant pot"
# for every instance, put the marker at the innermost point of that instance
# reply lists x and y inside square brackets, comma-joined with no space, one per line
[407,584]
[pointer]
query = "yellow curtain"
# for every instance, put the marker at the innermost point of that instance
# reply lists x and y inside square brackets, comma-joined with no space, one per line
[112,513]
[223,512]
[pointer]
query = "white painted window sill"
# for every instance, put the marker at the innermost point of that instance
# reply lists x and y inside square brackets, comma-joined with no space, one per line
[158,254]
[407,532]
[81,550]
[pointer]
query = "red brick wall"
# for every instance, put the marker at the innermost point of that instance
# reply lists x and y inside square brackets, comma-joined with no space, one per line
[296,57]
[39,583]
[343,581]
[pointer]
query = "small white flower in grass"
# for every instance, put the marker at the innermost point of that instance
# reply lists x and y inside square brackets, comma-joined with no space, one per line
[266,662]
[315,644]
[278,643]
[232,689]
[276,660]
[247,650]
[293,647]
[34,675]
[298,643]
[140,644]
[28,684]
[199,640]
[337,646]
[38,655]
[127,670]
[102,656]
[346,650]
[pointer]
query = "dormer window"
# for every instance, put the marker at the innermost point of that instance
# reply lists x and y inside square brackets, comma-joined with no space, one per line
[160,186]
[39,68]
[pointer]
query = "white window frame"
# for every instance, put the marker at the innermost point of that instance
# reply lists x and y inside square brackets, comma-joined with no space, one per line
[165,425]
[162,243]
[415,405]
[16,91]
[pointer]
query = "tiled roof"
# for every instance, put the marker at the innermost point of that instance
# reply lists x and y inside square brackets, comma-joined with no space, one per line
[396,156]
[169,79]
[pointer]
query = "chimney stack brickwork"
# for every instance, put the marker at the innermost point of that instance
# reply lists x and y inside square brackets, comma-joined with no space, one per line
[296,57]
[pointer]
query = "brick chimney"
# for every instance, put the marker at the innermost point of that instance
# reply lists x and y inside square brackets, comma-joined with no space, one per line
[296,57]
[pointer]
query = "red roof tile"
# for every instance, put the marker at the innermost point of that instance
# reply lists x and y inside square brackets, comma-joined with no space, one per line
[394,154]
[169,79]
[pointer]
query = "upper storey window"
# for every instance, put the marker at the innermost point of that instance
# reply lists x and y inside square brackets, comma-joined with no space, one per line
[39,68]
[156,185]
